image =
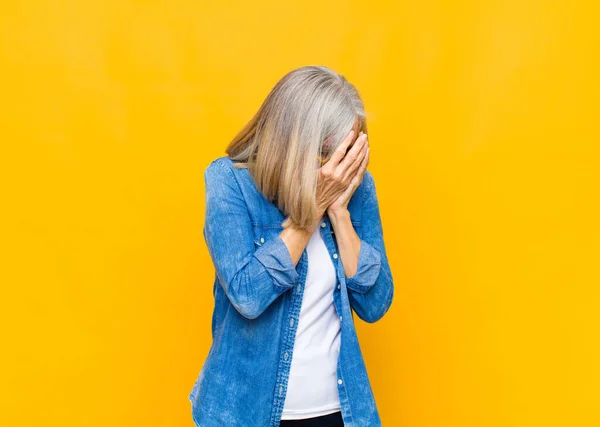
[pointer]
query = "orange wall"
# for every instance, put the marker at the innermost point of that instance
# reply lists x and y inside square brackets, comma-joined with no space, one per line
[484,134]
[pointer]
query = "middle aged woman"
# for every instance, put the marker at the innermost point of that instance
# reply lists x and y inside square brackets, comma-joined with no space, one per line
[294,232]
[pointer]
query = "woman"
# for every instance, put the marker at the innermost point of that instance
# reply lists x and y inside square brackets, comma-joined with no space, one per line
[294,231]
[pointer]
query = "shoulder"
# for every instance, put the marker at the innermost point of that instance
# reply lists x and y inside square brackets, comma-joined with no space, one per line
[361,196]
[221,169]
[220,174]
[368,181]
[220,164]
[367,186]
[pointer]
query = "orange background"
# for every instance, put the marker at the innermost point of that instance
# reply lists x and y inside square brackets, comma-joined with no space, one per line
[484,135]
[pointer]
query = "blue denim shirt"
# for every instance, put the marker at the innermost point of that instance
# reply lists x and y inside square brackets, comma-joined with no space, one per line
[258,293]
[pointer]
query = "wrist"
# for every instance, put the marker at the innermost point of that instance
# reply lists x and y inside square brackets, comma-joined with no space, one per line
[338,214]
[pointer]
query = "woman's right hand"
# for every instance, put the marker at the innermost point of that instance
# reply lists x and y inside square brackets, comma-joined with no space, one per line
[337,173]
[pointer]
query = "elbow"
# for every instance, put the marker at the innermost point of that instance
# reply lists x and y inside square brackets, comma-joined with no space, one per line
[245,303]
[388,301]
[372,316]
[248,309]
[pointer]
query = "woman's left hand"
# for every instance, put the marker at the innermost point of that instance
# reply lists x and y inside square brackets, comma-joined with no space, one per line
[341,203]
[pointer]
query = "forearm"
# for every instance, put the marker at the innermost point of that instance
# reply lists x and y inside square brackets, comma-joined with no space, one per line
[347,240]
[297,239]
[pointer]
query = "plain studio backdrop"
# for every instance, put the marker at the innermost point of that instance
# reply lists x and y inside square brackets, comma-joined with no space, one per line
[483,125]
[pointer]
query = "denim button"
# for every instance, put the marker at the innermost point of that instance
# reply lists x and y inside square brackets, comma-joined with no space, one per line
[340,317]
[292,321]
[262,240]
[285,356]
[339,381]
[323,225]
[339,286]
[335,256]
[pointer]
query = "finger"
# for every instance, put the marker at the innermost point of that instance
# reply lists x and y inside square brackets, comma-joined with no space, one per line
[357,162]
[350,157]
[340,151]
[363,167]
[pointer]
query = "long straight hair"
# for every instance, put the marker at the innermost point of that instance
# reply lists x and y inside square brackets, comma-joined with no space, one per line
[303,119]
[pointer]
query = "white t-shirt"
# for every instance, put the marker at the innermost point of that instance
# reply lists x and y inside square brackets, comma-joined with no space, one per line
[312,386]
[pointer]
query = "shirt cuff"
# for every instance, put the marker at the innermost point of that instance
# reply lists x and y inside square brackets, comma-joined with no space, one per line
[275,257]
[367,272]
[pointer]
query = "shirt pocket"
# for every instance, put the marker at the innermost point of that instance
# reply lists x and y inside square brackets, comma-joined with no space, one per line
[263,233]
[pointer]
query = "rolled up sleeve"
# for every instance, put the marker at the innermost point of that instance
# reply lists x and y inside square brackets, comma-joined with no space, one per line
[275,258]
[251,277]
[371,288]
[367,272]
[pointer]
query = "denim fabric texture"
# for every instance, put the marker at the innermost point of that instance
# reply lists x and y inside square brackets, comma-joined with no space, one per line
[258,294]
